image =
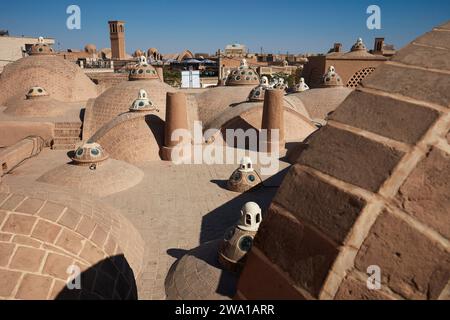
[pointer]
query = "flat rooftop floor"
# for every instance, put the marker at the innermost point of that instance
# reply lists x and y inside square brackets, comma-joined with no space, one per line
[175,208]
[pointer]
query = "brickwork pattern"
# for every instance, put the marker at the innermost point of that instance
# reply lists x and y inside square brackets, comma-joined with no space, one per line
[41,238]
[62,79]
[371,188]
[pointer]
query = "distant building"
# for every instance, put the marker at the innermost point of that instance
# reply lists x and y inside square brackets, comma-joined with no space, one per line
[13,48]
[117,36]
[235,50]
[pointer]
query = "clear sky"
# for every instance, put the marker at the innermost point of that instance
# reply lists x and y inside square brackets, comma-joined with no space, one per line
[293,26]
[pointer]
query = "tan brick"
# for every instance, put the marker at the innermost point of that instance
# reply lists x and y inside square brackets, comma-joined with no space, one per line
[350,157]
[352,289]
[6,237]
[92,253]
[26,241]
[12,202]
[425,194]
[261,281]
[388,117]
[46,231]
[70,219]
[30,206]
[110,245]
[425,57]
[27,259]
[34,287]
[8,281]
[56,265]
[287,243]
[99,236]
[86,226]
[317,203]
[70,241]
[51,211]
[6,250]
[19,224]
[432,87]
[411,264]
[58,286]
[437,39]
[3,215]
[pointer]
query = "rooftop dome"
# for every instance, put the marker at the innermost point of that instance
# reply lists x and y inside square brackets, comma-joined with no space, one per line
[143,70]
[41,48]
[36,103]
[243,76]
[138,53]
[62,79]
[89,153]
[118,99]
[244,178]
[142,103]
[94,173]
[198,275]
[359,46]
[54,228]
[331,78]
[90,48]
[257,93]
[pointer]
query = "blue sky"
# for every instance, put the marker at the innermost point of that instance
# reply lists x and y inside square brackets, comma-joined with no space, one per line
[294,26]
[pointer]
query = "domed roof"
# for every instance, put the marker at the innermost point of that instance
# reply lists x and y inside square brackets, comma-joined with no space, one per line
[243,76]
[244,178]
[90,48]
[142,103]
[151,51]
[89,153]
[37,103]
[103,238]
[62,79]
[200,271]
[143,70]
[331,78]
[138,53]
[94,177]
[41,48]
[359,46]
[258,93]
[118,99]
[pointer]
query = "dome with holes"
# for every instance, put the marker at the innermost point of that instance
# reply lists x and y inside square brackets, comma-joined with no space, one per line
[41,48]
[257,93]
[36,92]
[244,178]
[243,76]
[359,46]
[143,70]
[142,103]
[89,153]
[90,48]
[301,86]
[331,78]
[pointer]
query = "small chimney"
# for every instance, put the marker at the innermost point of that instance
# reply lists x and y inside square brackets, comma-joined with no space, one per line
[337,47]
[378,46]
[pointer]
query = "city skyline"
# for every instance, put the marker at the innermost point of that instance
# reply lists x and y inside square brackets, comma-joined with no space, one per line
[294,27]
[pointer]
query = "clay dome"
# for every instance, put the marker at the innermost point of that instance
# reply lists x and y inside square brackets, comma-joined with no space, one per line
[143,70]
[243,76]
[41,48]
[89,153]
[244,178]
[62,79]
[331,78]
[59,229]
[359,46]
[90,48]
[37,103]
[257,93]
[94,173]
[105,53]
[118,99]
[198,275]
